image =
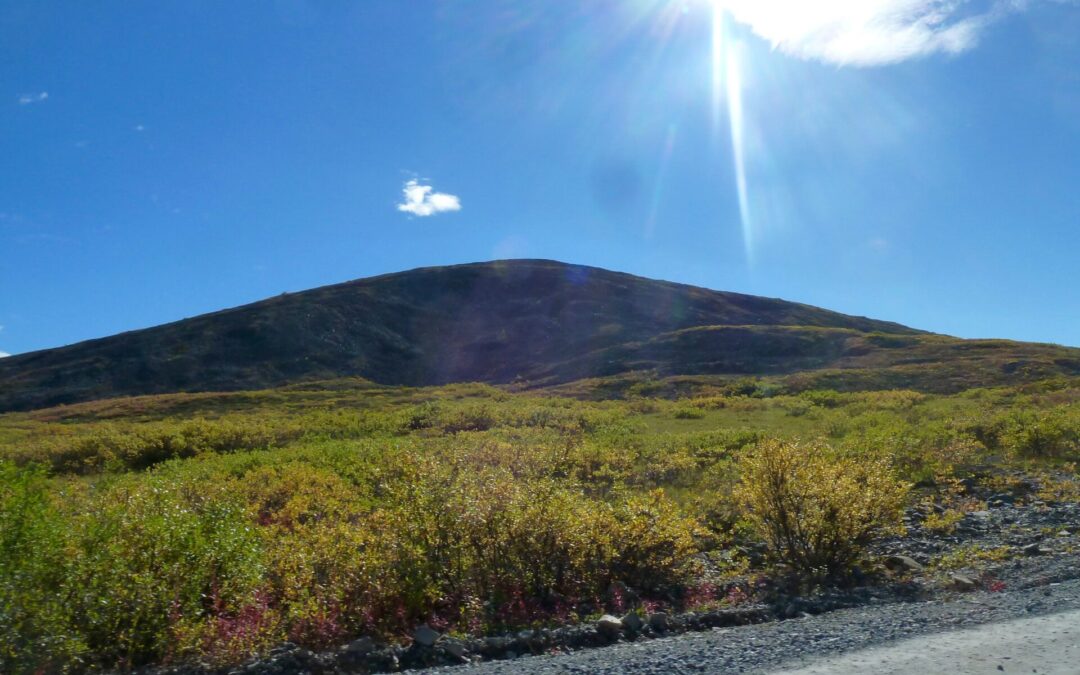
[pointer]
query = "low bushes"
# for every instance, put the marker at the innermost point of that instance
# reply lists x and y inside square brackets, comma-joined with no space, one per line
[149,539]
[1042,434]
[220,558]
[815,509]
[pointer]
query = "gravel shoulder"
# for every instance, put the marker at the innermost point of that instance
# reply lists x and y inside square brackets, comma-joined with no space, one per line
[794,643]
[1044,644]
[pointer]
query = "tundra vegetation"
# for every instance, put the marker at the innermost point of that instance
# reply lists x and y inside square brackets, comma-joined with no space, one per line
[210,527]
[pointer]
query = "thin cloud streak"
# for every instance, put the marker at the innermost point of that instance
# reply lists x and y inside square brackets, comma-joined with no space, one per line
[28,99]
[422,200]
[870,32]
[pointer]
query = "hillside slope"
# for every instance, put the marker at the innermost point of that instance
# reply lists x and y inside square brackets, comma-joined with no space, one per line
[536,321]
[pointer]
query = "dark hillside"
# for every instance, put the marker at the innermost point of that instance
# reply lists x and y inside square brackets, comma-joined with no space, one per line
[537,321]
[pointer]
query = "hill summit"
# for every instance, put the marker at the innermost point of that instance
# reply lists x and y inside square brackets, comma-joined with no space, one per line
[530,322]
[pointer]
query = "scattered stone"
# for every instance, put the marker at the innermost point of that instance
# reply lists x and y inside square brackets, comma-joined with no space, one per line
[455,648]
[496,643]
[960,582]
[609,626]
[1000,500]
[426,636]
[633,622]
[659,621]
[902,563]
[1036,549]
[1064,533]
[364,645]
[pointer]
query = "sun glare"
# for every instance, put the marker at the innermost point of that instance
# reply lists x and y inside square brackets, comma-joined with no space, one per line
[738,147]
[727,87]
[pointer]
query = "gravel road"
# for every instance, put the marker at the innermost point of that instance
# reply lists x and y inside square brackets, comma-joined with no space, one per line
[798,643]
[1044,644]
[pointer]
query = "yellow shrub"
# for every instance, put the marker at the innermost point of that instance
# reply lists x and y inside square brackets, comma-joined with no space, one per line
[943,523]
[817,510]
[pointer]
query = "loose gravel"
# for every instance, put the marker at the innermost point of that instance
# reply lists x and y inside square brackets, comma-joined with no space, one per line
[768,647]
[1043,644]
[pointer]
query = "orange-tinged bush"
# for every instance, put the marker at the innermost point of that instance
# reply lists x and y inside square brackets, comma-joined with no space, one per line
[815,509]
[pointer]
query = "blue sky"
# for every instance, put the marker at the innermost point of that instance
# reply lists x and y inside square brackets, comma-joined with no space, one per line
[910,160]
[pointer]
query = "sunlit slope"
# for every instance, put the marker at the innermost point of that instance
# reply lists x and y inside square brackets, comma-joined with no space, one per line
[527,321]
[798,358]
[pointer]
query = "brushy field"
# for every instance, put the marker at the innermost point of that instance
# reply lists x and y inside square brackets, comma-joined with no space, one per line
[210,527]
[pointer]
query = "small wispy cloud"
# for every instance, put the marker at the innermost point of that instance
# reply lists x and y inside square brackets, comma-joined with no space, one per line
[870,32]
[36,97]
[422,200]
[4,355]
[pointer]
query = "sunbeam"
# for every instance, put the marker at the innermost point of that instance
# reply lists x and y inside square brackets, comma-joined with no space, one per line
[733,81]
[727,85]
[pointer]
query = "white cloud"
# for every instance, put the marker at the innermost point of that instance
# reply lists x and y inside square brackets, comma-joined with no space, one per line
[37,97]
[422,200]
[870,32]
[4,355]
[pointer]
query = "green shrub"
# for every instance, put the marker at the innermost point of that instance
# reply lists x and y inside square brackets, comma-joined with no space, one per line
[687,413]
[817,510]
[1042,434]
[207,527]
[33,612]
[154,556]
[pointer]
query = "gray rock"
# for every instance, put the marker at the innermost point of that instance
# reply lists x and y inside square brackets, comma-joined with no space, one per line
[659,621]
[364,645]
[633,622]
[1036,549]
[496,643]
[1000,500]
[426,636]
[960,582]
[609,626]
[455,648]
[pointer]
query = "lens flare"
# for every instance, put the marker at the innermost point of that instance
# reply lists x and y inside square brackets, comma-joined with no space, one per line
[727,85]
[738,148]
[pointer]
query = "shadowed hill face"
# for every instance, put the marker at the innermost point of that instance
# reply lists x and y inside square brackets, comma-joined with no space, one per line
[497,322]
